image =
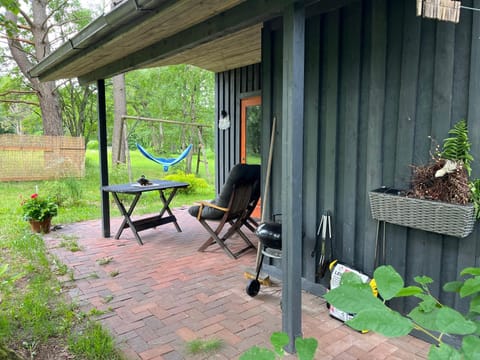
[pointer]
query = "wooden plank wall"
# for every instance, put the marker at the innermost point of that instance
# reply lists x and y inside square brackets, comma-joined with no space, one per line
[379,81]
[231,86]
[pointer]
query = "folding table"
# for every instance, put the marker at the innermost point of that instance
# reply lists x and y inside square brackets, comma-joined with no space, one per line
[136,189]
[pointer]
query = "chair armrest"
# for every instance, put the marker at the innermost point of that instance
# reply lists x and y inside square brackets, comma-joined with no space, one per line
[208,204]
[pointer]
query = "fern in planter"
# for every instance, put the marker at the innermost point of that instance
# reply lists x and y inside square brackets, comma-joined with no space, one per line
[457,147]
[429,316]
[447,178]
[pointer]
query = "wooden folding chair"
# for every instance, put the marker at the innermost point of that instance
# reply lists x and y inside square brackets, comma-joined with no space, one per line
[233,207]
[236,214]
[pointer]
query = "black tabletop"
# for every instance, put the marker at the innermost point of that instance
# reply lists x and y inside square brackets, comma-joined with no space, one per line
[134,188]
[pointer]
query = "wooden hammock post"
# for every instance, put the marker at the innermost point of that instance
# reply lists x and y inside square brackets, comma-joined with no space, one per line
[201,149]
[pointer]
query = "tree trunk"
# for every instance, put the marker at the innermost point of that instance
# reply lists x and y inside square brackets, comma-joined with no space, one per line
[49,104]
[47,96]
[120,109]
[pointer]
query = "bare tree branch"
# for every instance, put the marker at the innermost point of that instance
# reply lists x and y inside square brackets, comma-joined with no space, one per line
[18,39]
[27,18]
[20,92]
[60,6]
[19,102]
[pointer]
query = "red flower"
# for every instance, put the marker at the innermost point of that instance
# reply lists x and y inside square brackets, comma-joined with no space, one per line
[33,196]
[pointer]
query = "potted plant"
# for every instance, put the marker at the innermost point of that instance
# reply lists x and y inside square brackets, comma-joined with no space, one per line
[39,212]
[442,199]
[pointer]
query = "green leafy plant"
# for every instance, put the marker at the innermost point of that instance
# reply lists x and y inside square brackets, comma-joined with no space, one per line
[429,316]
[5,278]
[198,346]
[94,342]
[447,177]
[70,243]
[475,196]
[457,146]
[196,184]
[38,208]
[305,348]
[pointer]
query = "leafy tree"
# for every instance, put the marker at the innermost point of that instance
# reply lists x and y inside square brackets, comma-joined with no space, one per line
[78,108]
[180,93]
[31,32]
[15,109]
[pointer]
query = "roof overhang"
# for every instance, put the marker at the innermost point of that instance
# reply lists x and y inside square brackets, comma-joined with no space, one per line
[216,35]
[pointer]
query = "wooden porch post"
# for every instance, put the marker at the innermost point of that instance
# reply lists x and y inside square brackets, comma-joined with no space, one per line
[103,153]
[292,169]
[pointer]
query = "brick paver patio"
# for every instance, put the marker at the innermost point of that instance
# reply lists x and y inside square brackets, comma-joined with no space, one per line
[165,294]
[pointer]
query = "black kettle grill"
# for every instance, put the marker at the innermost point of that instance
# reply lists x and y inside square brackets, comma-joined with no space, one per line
[270,238]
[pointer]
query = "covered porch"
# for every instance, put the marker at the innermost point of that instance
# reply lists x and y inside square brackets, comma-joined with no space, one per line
[166,294]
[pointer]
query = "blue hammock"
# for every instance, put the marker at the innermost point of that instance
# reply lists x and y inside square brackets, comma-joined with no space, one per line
[162,161]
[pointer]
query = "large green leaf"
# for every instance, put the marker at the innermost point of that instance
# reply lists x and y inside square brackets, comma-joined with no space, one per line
[384,321]
[452,322]
[279,340]
[453,286]
[429,303]
[389,282]
[475,304]
[471,286]
[427,320]
[256,353]
[350,278]
[471,347]
[423,280]
[443,352]
[409,291]
[306,348]
[353,298]
[471,271]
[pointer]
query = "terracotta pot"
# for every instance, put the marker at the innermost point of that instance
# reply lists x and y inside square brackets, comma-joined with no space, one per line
[41,226]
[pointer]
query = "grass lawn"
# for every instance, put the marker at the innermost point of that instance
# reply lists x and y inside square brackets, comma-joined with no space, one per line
[35,320]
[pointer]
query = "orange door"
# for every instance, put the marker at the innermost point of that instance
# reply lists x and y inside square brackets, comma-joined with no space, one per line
[250,122]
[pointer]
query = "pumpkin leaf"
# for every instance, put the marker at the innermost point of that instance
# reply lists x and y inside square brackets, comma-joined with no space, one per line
[471,347]
[306,348]
[389,282]
[452,322]
[279,340]
[470,271]
[425,319]
[443,352]
[409,291]
[350,278]
[471,286]
[453,286]
[475,305]
[423,280]
[353,298]
[257,353]
[382,320]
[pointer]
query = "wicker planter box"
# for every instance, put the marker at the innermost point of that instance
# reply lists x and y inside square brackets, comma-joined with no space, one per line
[438,217]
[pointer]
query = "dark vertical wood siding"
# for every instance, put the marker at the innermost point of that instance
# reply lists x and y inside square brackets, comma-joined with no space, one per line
[231,86]
[379,82]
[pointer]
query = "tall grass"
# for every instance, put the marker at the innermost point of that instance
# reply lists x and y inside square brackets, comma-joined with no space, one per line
[79,199]
[33,311]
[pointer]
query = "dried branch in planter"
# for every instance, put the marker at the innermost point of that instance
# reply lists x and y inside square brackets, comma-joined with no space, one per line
[451,188]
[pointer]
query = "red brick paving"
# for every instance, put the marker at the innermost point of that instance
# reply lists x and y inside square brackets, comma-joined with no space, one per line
[166,294]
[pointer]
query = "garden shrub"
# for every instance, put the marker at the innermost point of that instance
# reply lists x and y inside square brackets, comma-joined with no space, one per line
[197,185]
